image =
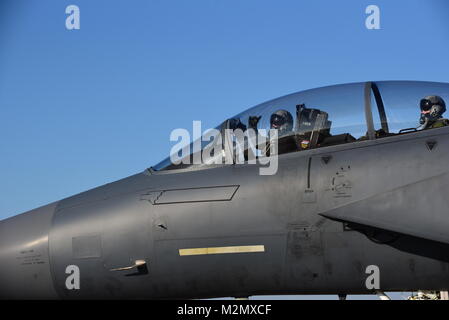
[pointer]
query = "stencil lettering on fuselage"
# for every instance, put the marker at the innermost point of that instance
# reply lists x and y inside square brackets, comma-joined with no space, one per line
[341,185]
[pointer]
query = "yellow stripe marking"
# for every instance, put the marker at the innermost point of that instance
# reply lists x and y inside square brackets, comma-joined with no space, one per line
[221,250]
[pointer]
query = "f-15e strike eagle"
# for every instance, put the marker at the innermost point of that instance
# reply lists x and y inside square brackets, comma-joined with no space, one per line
[361,183]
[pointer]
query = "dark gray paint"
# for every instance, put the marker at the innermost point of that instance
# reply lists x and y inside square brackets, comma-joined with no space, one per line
[313,224]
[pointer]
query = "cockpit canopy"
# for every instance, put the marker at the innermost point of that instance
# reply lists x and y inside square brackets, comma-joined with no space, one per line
[335,115]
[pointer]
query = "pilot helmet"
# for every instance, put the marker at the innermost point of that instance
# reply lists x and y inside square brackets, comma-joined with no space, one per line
[432,109]
[281,120]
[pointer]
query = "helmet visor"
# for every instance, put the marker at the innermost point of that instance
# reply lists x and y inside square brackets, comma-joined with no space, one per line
[277,121]
[426,105]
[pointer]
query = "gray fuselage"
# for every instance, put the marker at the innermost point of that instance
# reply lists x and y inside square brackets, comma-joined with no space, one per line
[314,228]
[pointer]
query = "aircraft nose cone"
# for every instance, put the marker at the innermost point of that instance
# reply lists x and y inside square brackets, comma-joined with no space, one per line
[24,255]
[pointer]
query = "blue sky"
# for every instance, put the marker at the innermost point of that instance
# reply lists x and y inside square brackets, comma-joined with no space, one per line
[86,107]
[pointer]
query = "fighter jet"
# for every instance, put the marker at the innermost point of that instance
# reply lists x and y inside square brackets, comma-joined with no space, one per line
[356,200]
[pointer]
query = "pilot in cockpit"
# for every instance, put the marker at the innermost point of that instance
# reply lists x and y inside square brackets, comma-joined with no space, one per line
[282,121]
[432,110]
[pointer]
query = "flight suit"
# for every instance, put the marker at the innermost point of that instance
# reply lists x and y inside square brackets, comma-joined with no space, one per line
[439,123]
